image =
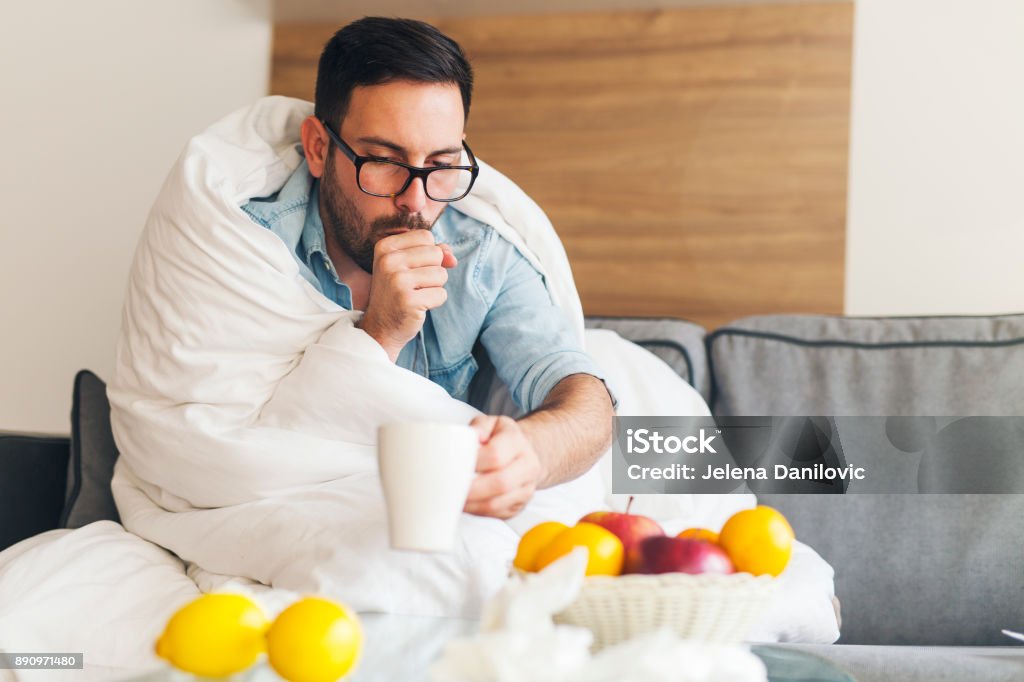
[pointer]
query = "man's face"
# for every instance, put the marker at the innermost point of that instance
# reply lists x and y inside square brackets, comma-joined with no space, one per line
[401,121]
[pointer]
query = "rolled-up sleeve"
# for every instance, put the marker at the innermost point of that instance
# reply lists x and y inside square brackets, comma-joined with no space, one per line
[528,338]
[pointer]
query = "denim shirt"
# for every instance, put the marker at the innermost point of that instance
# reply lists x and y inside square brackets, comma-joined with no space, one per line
[495,296]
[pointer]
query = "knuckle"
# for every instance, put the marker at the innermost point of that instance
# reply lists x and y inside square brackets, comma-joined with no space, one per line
[417,238]
[391,261]
[503,459]
[402,279]
[406,298]
[502,485]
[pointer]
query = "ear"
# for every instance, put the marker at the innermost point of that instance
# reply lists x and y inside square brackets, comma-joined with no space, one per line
[314,145]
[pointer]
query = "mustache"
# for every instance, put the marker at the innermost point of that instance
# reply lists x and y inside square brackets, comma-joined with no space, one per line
[409,222]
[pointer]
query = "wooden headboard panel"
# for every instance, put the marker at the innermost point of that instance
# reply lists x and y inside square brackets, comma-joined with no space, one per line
[693,160]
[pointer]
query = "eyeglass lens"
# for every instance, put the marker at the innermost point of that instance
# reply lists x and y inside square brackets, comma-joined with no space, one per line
[387,179]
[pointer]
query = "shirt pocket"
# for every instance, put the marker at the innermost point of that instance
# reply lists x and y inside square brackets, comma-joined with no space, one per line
[456,378]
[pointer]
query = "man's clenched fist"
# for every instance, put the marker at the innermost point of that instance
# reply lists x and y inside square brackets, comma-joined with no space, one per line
[409,274]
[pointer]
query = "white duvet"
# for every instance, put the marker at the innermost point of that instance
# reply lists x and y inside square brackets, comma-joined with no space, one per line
[245,406]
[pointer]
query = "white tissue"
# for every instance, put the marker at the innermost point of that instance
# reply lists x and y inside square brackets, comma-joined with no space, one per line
[662,656]
[519,642]
[515,657]
[528,600]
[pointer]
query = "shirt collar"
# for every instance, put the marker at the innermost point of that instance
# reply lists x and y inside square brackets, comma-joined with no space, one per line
[313,227]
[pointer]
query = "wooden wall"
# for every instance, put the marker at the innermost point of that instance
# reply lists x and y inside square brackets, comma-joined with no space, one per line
[693,160]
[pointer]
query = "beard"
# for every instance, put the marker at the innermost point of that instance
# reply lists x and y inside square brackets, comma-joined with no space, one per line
[349,228]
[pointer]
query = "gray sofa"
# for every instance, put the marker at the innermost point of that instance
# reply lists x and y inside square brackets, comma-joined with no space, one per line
[926,581]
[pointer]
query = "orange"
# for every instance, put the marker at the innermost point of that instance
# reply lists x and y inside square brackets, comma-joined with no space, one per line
[758,540]
[699,534]
[604,546]
[533,541]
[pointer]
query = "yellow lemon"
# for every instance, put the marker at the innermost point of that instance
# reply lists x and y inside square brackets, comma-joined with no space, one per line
[215,635]
[604,546]
[533,541]
[758,540]
[314,640]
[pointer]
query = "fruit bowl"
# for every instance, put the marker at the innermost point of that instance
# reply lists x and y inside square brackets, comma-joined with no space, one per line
[707,607]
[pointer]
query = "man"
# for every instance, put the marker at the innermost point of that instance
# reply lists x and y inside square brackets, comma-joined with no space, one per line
[371,217]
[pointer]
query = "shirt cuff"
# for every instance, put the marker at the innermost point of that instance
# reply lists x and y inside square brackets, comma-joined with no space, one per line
[545,374]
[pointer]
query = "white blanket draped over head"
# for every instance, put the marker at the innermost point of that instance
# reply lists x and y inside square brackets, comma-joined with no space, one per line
[245,406]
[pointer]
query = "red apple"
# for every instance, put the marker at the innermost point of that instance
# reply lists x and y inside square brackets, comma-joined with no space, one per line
[681,555]
[631,529]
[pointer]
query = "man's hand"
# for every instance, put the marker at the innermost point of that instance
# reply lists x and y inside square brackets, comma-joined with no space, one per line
[409,274]
[508,469]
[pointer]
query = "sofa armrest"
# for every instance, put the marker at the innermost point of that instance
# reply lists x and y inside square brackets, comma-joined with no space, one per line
[33,479]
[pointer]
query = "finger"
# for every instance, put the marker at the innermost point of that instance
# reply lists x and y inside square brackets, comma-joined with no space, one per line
[484,425]
[449,260]
[403,240]
[503,506]
[427,276]
[408,281]
[498,482]
[499,451]
[410,259]
[494,456]
[428,298]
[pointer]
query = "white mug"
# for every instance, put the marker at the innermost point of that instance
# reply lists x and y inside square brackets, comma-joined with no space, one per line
[426,469]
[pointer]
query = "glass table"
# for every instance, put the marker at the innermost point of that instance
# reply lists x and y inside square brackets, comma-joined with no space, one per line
[403,648]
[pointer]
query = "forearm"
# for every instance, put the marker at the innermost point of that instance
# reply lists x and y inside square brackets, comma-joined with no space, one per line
[572,429]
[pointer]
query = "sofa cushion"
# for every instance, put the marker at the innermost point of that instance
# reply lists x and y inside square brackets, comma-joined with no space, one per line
[33,469]
[910,569]
[783,365]
[93,454]
[917,569]
[679,343]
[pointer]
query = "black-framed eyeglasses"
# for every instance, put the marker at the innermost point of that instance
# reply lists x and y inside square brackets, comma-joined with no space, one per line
[385,178]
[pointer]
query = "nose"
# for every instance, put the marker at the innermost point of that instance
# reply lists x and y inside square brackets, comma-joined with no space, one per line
[414,199]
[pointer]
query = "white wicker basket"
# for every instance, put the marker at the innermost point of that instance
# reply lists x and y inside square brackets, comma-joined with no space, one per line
[707,607]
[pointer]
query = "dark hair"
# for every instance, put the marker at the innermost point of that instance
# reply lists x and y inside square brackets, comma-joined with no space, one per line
[378,50]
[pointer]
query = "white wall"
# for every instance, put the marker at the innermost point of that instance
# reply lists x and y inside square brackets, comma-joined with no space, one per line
[936,203]
[98,98]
